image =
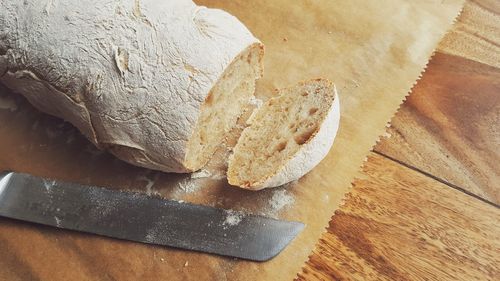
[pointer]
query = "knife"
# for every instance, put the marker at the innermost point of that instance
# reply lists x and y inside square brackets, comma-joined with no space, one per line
[142,218]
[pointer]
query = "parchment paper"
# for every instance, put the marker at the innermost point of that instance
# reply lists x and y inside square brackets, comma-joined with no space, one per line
[373,50]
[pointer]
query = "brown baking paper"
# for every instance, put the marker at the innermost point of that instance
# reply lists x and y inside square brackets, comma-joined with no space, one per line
[373,50]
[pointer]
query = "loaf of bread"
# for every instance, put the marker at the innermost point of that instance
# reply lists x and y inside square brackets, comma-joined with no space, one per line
[288,136]
[161,83]
[158,83]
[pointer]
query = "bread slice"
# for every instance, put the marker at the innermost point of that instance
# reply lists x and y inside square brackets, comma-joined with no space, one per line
[288,136]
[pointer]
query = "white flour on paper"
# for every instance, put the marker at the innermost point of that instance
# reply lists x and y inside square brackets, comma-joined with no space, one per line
[71,137]
[52,133]
[280,199]
[188,186]
[34,126]
[8,103]
[93,151]
[218,176]
[149,183]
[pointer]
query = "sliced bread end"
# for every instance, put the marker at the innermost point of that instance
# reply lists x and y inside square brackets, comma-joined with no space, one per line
[223,105]
[289,135]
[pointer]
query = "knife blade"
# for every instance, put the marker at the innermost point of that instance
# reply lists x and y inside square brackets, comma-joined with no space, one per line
[142,218]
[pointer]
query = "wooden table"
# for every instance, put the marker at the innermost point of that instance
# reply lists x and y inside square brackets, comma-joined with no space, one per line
[428,206]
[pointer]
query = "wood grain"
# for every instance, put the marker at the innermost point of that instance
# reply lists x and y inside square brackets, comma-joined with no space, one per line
[331,39]
[476,35]
[398,224]
[450,125]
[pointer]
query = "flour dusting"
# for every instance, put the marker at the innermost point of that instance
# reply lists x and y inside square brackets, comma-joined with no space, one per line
[48,185]
[201,174]
[156,233]
[280,199]
[71,137]
[102,206]
[150,237]
[149,184]
[52,133]
[8,103]
[58,221]
[189,186]
[93,151]
[218,176]
[232,218]
[34,126]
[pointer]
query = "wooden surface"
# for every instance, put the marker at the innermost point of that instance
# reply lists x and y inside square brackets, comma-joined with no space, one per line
[428,208]
[410,218]
[449,128]
[449,125]
[373,65]
[398,224]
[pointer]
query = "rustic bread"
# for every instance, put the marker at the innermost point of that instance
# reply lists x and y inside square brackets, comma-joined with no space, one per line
[157,83]
[287,136]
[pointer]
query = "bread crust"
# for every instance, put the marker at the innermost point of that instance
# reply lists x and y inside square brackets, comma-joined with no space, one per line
[306,158]
[130,75]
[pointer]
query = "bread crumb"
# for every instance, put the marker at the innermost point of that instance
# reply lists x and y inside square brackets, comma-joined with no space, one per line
[386,135]
[186,264]
[201,174]
[162,259]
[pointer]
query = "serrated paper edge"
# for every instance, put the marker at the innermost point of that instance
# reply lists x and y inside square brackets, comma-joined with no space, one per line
[388,124]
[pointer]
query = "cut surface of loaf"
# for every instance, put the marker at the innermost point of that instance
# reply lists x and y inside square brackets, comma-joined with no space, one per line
[146,80]
[288,136]
[222,107]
